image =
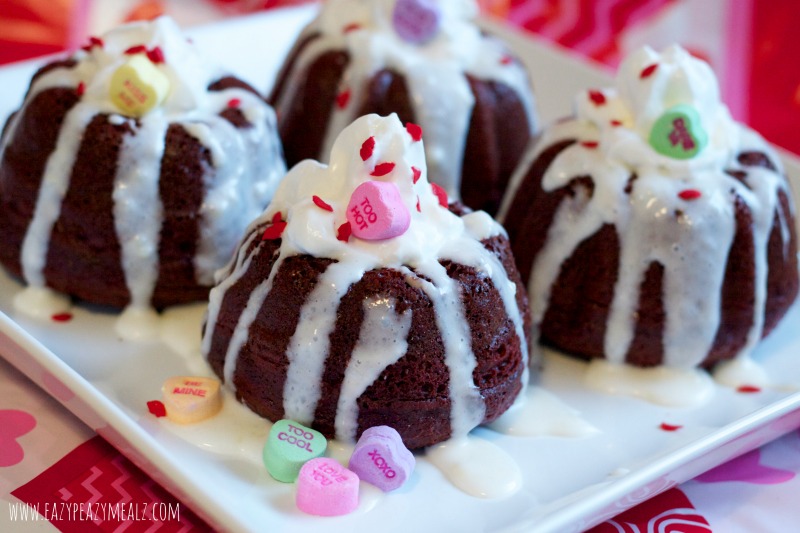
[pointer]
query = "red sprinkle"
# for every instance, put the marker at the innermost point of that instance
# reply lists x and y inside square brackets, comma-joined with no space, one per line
[382,169]
[62,317]
[342,99]
[319,202]
[417,174]
[419,209]
[96,41]
[155,55]
[616,123]
[138,49]
[81,89]
[748,389]
[589,144]
[367,148]
[234,102]
[344,231]
[157,408]
[277,217]
[506,60]
[351,27]
[648,71]
[415,131]
[274,231]
[440,193]
[669,427]
[597,97]
[690,194]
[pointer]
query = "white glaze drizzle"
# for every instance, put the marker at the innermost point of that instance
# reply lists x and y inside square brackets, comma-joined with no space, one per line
[237,187]
[690,239]
[435,73]
[434,234]
[381,342]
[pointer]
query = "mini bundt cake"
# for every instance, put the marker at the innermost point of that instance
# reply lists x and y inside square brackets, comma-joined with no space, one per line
[359,299]
[653,229]
[130,171]
[424,60]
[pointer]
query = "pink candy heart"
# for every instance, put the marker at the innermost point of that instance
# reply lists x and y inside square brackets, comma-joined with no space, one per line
[416,21]
[326,488]
[13,424]
[376,211]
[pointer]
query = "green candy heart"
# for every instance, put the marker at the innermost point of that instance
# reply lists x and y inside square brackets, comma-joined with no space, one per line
[678,133]
[289,446]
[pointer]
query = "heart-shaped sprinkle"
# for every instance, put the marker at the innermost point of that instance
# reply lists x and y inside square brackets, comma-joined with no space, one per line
[276,229]
[506,59]
[689,194]
[81,89]
[326,488]
[648,71]
[597,97]
[342,99]
[234,102]
[419,207]
[289,446]
[381,458]
[191,399]
[344,232]
[322,204]
[367,147]
[669,427]
[417,174]
[589,144]
[157,408]
[376,211]
[415,131]
[616,123]
[382,169]
[93,41]
[156,55]
[416,21]
[441,194]
[138,49]
[61,317]
[678,133]
[748,389]
[138,86]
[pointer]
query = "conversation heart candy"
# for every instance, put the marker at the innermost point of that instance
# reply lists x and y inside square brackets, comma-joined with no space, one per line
[678,133]
[376,211]
[326,488]
[138,86]
[381,458]
[191,399]
[289,445]
[416,21]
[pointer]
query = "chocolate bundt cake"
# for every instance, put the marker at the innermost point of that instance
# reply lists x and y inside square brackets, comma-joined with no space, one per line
[651,227]
[424,60]
[359,299]
[130,171]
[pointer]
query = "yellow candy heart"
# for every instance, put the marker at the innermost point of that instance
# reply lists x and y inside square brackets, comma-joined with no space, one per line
[191,399]
[138,86]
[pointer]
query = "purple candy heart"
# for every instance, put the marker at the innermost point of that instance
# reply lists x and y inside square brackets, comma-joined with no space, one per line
[416,21]
[380,458]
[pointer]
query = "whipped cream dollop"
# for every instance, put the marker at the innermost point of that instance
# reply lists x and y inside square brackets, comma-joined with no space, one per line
[309,213]
[670,208]
[246,163]
[435,70]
